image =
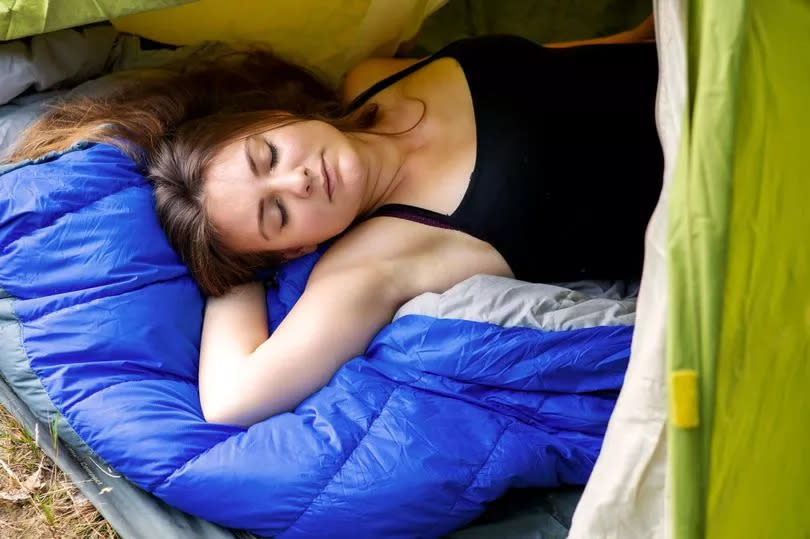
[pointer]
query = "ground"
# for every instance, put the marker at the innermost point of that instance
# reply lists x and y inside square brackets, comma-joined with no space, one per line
[37,500]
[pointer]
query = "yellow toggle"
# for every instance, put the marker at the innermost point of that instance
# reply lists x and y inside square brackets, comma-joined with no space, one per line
[683,402]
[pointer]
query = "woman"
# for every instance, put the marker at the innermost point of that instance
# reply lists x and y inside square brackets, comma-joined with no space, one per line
[429,172]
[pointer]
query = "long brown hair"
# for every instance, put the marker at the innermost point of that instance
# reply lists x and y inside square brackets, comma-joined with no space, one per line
[173,120]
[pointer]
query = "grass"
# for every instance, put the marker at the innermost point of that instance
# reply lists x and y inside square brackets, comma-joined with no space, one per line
[37,500]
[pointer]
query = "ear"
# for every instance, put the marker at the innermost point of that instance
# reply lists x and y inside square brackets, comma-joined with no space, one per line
[290,254]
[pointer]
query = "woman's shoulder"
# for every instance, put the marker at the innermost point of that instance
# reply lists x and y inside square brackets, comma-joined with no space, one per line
[374,75]
[371,71]
[416,257]
[375,242]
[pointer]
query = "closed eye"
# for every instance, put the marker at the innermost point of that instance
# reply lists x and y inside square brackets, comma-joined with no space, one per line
[261,220]
[273,155]
[282,211]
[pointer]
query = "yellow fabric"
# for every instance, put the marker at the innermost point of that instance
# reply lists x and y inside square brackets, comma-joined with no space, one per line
[327,37]
[684,399]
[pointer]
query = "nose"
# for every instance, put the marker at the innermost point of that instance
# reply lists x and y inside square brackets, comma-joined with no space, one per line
[297,181]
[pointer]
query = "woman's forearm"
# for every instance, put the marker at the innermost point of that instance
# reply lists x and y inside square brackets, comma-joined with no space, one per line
[246,376]
[645,31]
[233,327]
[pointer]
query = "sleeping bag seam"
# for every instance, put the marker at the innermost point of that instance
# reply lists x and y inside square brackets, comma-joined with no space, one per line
[116,384]
[83,302]
[52,222]
[60,413]
[342,464]
[159,482]
[483,464]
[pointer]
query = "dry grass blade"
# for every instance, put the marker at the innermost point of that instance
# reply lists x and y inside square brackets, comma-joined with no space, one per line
[37,500]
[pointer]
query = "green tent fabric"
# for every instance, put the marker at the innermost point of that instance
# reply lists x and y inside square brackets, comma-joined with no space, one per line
[21,18]
[740,274]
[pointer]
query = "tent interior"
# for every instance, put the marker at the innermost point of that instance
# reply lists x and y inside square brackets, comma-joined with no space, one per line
[708,434]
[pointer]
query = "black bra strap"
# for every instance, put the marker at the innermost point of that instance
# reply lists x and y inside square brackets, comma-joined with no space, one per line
[419,215]
[388,81]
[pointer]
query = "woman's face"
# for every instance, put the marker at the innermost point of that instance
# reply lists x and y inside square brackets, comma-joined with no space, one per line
[285,190]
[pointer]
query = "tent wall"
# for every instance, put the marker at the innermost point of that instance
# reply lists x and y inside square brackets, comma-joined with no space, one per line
[327,37]
[740,273]
[759,479]
[696,255]
[21,18]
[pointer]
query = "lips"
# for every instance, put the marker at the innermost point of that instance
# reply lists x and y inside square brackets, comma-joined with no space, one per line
[328,177]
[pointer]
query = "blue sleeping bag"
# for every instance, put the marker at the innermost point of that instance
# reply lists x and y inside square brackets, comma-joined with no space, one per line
[440,416]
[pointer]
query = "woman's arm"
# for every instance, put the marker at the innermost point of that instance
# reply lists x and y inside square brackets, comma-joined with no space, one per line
[246,377]
[641,33]
[371,70]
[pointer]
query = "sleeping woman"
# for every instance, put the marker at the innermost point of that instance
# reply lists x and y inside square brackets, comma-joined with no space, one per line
[494,155]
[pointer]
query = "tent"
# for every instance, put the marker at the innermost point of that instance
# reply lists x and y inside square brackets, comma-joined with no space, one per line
[721,347]
[709,430]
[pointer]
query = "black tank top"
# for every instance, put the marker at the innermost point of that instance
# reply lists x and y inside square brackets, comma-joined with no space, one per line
[568,165]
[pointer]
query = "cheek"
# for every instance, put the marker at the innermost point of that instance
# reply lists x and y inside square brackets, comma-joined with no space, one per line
[351,171]
[318,225]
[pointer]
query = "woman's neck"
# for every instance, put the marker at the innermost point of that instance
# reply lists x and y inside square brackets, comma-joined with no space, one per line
[386,157]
